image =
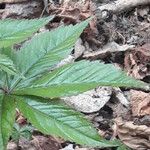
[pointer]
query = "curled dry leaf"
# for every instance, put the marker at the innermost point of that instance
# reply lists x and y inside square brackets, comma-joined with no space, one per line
[140,102]
[137,62]
[73,11]
[136,137]
[20,119]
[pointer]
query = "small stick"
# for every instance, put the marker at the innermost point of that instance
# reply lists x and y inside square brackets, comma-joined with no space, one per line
[123,5]
[13,1]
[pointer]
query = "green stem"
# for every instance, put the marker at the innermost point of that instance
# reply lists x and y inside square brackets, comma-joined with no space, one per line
[7,81]
[15,84]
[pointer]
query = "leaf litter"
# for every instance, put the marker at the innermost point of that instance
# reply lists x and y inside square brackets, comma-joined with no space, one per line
[121,38]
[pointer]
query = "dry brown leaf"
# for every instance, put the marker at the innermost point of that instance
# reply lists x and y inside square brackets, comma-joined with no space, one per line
[136,137]
[39,142]
[140,102]
[73,11]
[45,143]
[20,119]
[137,62]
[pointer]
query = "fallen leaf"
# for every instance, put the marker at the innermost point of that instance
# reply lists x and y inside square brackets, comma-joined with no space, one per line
[140,102]
[11,146]
[137,62]
[45,143]
[90,101]
[120,96]
[78,48]
[136,137]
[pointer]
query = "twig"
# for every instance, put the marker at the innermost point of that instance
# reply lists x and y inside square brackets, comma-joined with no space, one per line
[122,5]
[13,1]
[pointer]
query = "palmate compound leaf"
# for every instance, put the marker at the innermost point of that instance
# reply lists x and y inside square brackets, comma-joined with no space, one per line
[15,31]
[78,77]
[51,117]
[7,119]
[7,65]
[46,50]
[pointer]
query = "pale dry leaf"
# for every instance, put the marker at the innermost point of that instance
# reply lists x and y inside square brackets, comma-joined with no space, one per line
[121,97]
[78,48]
[11,146]
[143,11]
[68,147]
[90,101]
[140,102]
[136,137]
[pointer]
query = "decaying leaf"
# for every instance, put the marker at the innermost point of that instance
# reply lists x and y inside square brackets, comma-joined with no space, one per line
[90,101]
[136,137]
[45,143]
[73,11]
[137,62]
[38,142]
[140,103]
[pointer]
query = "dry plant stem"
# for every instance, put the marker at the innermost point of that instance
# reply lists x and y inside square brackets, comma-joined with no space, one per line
[123,5]
[12,1]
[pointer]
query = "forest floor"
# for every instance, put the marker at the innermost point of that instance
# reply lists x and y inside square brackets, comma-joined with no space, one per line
[117,34]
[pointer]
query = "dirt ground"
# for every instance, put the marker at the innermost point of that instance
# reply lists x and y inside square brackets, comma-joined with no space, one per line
[120,37]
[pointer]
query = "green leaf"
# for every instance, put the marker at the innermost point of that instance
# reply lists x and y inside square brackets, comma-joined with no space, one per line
[47,49]
[56,119]
[2,79]
[15,31]
[21,132]
[78,77]
[7,118]
[6,65]
[121,145]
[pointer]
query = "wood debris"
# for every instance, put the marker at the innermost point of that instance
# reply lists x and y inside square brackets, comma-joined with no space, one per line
[123,5]
[13,1]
